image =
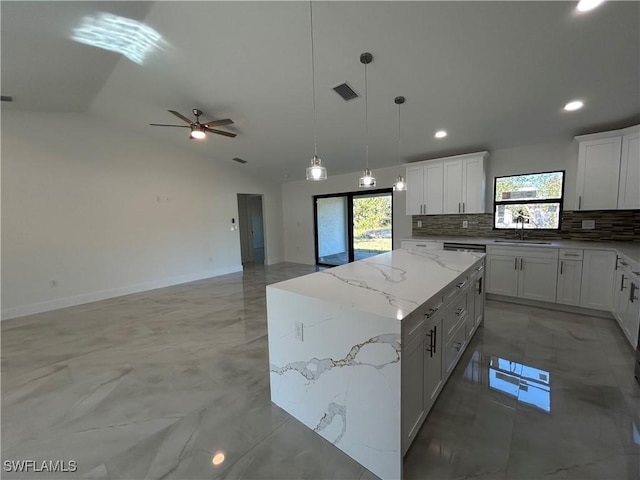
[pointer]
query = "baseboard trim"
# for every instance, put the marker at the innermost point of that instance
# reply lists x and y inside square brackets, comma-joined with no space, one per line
[551,306]
[49,305]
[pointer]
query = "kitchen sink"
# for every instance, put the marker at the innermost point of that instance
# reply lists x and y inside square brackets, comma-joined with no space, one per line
[528,242]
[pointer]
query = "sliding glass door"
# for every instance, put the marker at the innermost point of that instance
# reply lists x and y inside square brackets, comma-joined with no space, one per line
[353,226]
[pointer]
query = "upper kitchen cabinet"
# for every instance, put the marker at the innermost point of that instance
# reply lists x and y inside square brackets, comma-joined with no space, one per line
[609,170]
[447,185]
[424,188]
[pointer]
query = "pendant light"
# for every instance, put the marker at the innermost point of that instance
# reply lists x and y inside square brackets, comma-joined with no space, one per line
[367,180]
[316,171]
[400,184]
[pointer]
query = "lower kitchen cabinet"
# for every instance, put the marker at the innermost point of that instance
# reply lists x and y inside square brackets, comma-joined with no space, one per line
[626,300]
[598,271]
[413,388]
[569,281]
[523,272]
[433,375]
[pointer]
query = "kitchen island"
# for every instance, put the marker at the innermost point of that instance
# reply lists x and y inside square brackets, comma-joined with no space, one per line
[358,353]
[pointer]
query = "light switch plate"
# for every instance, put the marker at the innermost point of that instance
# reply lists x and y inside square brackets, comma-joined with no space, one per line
[465,224]
[419,223]
[588,224]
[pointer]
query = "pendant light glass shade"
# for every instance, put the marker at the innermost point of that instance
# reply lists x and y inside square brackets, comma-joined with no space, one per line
[400,184]
[316,171]
[367,180]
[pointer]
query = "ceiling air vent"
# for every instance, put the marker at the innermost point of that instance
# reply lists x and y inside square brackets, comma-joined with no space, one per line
[239,160]
[6,98]
[345,91]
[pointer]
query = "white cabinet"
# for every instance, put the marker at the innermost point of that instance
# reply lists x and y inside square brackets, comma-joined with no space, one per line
[569,282]
[433,378]
[626,303]
[464,183]
[598,267]
[421,245]
[629,189]
[523,272]
[447,185]
[413,413]
[424,188]
[608,174]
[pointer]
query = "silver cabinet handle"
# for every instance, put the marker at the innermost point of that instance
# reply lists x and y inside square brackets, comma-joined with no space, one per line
[579,202]
[515,266]
[521,263]
[623,263]
[462,207]
[571,254]
[430,312]
[480,268]
[461,284]
[458,207]
[457,346]
[459,311]
[632,290]
[561,263]
[622,287]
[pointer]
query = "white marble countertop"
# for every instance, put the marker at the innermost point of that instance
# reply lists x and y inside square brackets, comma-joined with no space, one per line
[631,250]
[391,285]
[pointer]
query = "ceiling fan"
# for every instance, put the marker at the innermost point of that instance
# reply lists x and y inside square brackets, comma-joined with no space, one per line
[198,130]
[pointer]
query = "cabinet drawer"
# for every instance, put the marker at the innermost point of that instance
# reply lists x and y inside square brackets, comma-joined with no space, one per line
[461,283]
[415,325]
[457,313]
[418,245]
[454,347]
[570,254]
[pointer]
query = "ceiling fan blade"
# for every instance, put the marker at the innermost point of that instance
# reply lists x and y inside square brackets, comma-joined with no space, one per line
[165,125]
[182,117]
[218,123]
[220,132]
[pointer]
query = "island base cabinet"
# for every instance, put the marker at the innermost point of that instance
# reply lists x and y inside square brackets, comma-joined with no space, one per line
[413,390]
[433,378]
[454,349]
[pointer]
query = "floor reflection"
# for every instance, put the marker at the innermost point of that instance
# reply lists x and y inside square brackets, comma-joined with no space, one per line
[528,384]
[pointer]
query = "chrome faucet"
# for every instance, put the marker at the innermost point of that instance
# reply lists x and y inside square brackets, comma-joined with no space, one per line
[520,219]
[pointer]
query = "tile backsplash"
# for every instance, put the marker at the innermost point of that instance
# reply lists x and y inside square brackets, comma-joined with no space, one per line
[613,225]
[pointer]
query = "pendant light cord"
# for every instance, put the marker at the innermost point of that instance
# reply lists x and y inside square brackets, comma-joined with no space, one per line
[399,134]
[366,116]
[313,84]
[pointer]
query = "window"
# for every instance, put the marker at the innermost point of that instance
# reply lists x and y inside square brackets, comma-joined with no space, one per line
[532,201]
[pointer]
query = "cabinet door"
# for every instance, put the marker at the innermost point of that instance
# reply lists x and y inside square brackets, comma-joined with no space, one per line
[473,185]
[412,390]
[632,317]
[620,296]
[415,189]
[502,276]
[453,186]
[569,281]
[433,187]
[433,379]
[629,193]
[538,278]
[478,301]
[598,174]
[597,279]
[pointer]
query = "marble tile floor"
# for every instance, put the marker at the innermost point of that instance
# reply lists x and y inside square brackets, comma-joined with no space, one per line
[153,385]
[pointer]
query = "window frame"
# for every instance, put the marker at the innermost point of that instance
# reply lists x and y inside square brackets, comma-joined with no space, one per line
[533,201]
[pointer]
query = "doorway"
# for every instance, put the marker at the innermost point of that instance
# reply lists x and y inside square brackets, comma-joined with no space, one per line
[251,226]
[352,226]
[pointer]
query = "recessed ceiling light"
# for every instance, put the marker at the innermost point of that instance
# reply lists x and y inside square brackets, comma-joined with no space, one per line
[575,105]
[586,5]
[440,134]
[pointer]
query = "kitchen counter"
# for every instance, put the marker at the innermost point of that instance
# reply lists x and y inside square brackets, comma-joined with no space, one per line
[335,346]
[631,250]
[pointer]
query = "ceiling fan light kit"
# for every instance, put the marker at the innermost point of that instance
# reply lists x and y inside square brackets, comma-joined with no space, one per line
[367,180]
[199,130]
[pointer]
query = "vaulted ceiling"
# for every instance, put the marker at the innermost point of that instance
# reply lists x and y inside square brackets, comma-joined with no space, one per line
[493,74]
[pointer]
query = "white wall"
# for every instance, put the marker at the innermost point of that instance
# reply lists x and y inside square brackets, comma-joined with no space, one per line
[297,206]
[104,212]
[532,159]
